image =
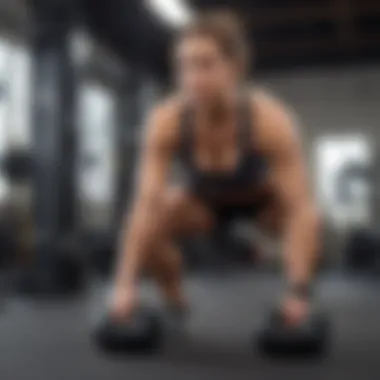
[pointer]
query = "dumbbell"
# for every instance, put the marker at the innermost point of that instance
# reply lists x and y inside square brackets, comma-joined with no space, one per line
[142,333]
[310,338]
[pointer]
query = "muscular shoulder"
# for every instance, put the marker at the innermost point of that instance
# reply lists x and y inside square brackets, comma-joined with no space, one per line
[275,123]
[163,122]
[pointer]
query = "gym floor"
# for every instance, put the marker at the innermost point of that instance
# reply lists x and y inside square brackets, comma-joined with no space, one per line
[50,340]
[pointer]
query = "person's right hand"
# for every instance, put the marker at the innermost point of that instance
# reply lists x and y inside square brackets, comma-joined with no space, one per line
[123,303]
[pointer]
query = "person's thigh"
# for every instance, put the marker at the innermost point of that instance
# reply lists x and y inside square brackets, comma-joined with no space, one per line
[186,214]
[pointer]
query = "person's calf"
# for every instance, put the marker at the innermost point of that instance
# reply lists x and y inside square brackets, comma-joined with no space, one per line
[165,266]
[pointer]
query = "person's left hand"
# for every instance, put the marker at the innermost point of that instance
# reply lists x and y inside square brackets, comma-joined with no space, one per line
[295,310]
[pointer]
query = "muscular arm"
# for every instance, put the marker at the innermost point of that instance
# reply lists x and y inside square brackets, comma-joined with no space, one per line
[301,224]
[157,151]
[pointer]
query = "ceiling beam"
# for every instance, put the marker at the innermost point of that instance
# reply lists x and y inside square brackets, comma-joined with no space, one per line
[345,22]
[276,49]
[337,10]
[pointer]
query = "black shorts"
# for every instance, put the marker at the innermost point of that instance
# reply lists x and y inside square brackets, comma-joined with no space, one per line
[227,213]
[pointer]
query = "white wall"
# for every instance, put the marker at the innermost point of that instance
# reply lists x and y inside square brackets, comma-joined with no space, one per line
[330,100]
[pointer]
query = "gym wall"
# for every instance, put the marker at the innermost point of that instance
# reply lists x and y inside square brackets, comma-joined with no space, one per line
[333,104]
[332,101]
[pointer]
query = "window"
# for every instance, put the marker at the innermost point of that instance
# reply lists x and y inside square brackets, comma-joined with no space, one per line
[96,114]
[15,65]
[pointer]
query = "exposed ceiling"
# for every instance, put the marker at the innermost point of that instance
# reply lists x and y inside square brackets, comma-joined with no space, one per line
[128,28]
[285,32]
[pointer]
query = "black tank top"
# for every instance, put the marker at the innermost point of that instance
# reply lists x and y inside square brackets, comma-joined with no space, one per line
[251,167]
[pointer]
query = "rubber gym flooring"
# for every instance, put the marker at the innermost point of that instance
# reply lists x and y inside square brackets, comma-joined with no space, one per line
[50,340]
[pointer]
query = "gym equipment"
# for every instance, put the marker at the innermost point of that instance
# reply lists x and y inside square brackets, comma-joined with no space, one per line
[63,273]
[58,263]
[362,251]
[311,338]
[100,251]
[8,245]
[143,333]
[17,165]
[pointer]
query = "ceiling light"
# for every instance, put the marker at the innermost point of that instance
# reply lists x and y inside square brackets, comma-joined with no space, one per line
[174,13]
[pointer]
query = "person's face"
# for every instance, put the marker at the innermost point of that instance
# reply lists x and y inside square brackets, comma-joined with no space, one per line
[203,72]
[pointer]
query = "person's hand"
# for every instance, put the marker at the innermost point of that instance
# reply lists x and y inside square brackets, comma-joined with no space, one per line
[123,303]
[295,310]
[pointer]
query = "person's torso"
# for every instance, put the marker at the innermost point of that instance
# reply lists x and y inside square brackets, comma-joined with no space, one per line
[237,168]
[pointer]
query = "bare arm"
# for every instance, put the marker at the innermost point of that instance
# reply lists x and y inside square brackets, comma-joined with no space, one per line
[289,178]
[157,152]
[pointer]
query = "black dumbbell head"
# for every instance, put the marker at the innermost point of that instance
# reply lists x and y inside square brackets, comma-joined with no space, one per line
[311,337]
[141,333]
